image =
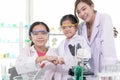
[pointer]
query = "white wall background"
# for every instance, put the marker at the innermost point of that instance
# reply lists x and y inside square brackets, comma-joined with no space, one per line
[12,11]
[51,11]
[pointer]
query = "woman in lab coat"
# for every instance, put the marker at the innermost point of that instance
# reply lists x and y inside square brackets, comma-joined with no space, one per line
[37,57]
[68,47]
[97,29]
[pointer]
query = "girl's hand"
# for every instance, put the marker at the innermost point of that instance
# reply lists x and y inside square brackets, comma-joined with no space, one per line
[61,61]
[55,62]
[52,58]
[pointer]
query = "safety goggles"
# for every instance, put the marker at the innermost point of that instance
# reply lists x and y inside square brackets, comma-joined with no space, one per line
[39,31]
[68,25]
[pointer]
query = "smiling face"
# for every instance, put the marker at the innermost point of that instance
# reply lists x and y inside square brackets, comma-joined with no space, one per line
[39,35]
[69,29]
[85,11]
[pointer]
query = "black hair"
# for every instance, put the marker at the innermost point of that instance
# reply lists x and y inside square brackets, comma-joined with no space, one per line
[35,24]
[70,17]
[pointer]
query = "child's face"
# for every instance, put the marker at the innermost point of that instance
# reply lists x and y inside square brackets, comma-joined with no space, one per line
[69,29]
[39,35]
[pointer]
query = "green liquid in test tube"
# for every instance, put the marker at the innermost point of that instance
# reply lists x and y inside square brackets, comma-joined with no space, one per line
[78,73]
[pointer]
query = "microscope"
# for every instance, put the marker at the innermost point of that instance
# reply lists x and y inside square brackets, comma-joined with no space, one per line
[82,67]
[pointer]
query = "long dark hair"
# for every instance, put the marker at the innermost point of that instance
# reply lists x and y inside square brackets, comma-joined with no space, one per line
[35,24]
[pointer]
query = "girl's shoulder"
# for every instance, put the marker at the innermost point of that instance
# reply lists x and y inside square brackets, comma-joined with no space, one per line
[77,38]
[51,51]
[29,49]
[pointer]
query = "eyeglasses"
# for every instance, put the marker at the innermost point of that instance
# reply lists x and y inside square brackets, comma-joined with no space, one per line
[43,32]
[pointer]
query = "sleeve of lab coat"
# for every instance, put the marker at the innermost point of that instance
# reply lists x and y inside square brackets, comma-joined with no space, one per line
[107,41]
[25,63]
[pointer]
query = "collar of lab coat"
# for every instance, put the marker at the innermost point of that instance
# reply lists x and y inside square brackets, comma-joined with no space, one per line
[76,34]
[33,50]
[75,39]
[95,28]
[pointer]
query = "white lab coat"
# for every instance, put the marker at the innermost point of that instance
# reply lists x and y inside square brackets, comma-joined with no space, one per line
[26,66]
[66,54]
[101,43]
